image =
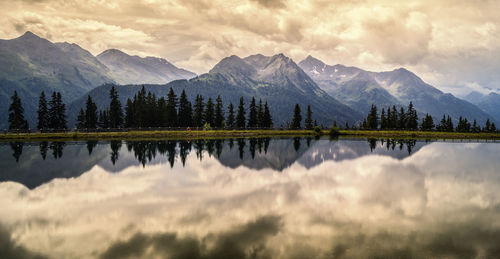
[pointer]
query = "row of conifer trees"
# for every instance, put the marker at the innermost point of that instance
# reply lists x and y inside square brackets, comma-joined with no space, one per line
[391,118]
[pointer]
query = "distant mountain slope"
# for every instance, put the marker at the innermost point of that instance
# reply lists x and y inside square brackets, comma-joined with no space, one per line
[352,86]
[359,89]
[276,79]
[128,69]
[30,64]
[489,103]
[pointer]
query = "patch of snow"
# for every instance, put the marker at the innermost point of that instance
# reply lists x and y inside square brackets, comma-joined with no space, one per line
[314,71]
[336,70]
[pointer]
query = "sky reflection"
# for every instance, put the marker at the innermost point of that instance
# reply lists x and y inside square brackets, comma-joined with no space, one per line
[441,201]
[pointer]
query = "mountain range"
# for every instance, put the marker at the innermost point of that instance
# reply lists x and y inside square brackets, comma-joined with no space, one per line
[489,103]
[359,89]
[127,69]
[31,64]
[276,79]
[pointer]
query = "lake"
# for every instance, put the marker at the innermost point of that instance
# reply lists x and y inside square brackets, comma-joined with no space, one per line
[250,198]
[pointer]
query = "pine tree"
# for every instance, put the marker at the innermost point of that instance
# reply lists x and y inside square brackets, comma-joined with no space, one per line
[198,111]
[185,115]
[171,109]
[412,118]
[161,114]
[383,120]
[308,122]
[449,124]
[104,119]
[53,118]
[297,117]
[475,128]
[43,113]
[252,114]
[493,127]
[140,109]
[268,120]
[240,116]
[260,115]
[372,118]
[151,108]
[57,112]
[401,119]
[129,114]
[427,123]
[16,114]
[219,113]
[230,116]
[90,114]
[80,120]
[487,127]
[61,112]
[115,110]
[209,112]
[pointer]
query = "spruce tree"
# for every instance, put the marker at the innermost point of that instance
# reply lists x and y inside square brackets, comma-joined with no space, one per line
[412,118]
[372,118]
[487,127]
[260,115]
[297,117]
[140,108]
[129,114]
[161,113]
[43,113]
[383,120]
[80,120]
[230,116]
[185,114]
[427,123]
[219,113]
[57,112]
[209,112]
[402,119]
[198,111]
[16,114]
[90,114]
[115,110]
[449,124]
[268,120]
[171,109]
[240,116]
[104,119]
[252,114]
[61,112]
[151,107]
[308,122]
[493,127]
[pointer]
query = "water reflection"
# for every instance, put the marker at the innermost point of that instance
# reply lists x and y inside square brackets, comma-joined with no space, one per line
[276,198]
[252,153]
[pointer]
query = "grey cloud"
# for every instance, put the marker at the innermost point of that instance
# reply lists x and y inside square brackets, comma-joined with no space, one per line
[246,241]
[9,248]
[271,3]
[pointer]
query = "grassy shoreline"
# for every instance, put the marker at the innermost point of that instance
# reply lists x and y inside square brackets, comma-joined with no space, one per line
[240,133]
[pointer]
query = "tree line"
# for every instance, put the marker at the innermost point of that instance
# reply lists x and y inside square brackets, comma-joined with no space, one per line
[392,118]
[146,110]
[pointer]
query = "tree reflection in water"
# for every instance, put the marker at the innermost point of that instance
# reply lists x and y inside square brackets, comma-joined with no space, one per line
[146,151]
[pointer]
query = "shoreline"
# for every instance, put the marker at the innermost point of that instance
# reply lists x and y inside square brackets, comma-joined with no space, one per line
[178,134]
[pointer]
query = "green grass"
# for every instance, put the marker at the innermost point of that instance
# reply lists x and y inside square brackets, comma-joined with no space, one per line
[240,133]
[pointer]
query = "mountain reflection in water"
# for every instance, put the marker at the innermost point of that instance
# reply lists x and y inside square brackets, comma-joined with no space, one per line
[250,198]
[255,153]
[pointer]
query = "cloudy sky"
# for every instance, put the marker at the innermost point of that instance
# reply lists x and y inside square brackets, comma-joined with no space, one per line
[452,44]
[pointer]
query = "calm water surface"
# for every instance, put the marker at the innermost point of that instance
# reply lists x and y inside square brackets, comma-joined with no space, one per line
[250,198]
